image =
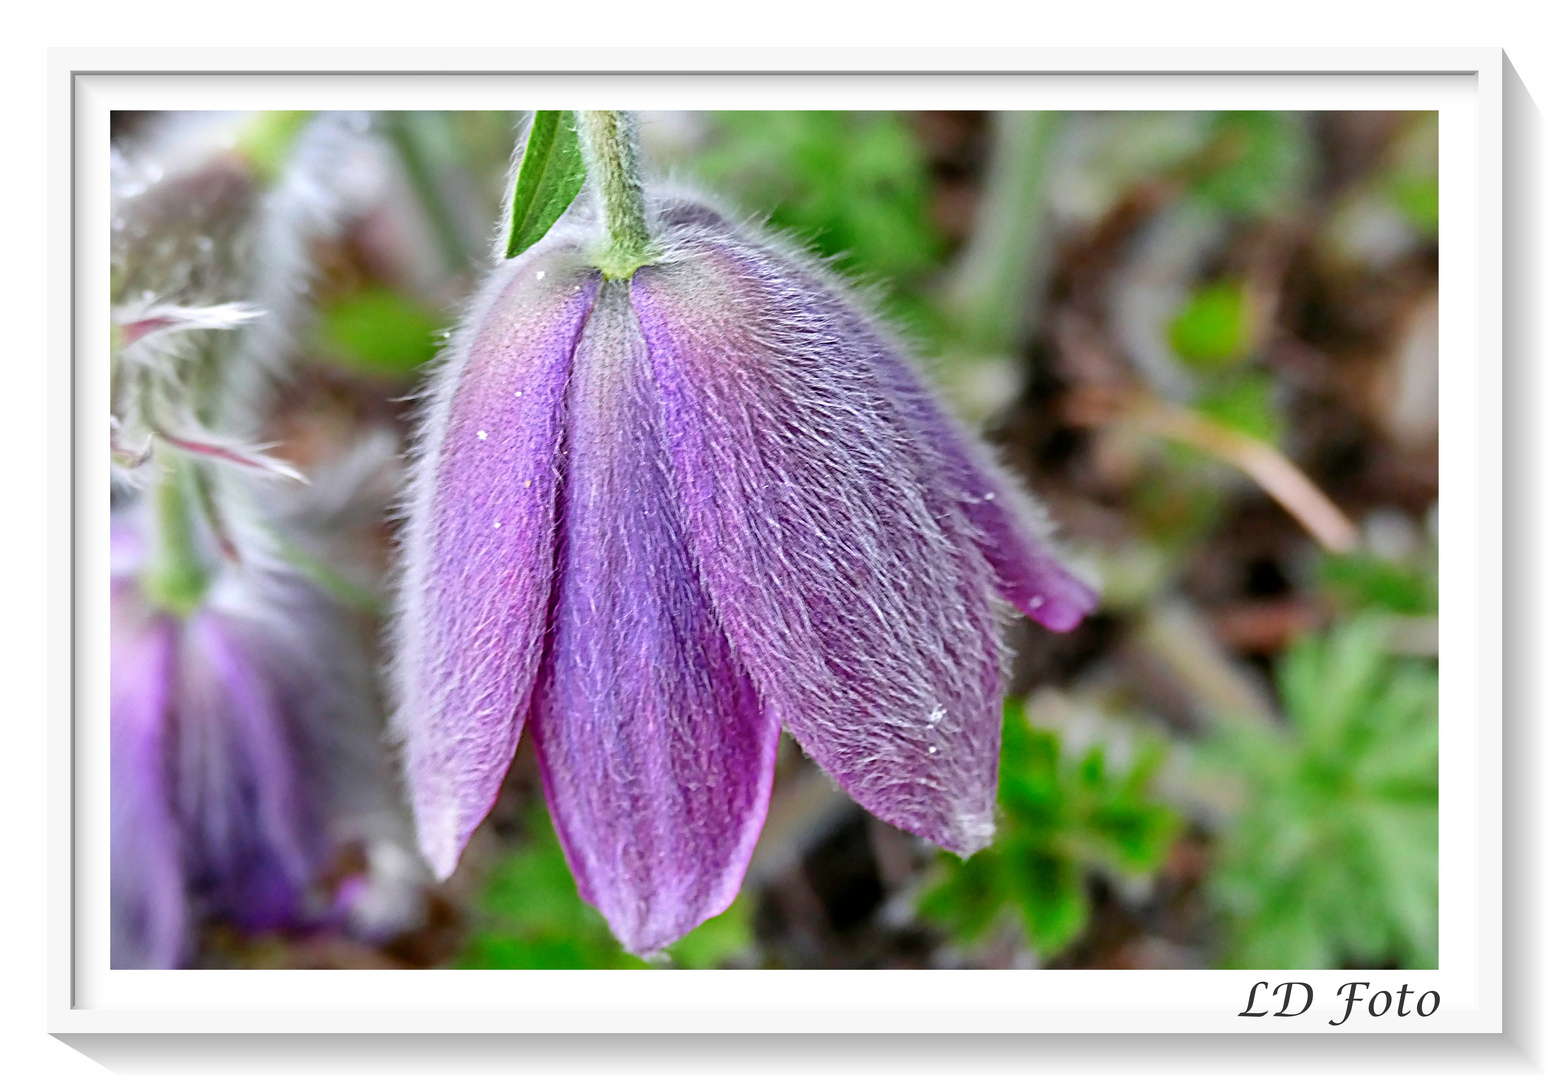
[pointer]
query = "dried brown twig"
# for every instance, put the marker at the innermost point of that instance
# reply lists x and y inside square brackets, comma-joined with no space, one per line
[1272,470]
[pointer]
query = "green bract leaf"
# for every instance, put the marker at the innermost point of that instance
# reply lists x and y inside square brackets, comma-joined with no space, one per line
[548,180]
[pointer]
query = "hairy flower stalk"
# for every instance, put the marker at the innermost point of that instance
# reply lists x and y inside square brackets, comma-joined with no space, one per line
[609,141]
[659,513]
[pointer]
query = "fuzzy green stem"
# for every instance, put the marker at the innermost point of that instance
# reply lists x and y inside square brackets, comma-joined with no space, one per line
[995,289]
[610,144]
[176,575]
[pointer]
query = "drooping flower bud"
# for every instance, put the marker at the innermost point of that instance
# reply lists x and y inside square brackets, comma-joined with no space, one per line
[149,907]
[241,749]
[655,519]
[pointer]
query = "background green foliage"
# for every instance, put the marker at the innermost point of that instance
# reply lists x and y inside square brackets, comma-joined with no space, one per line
[379,330]
[1062,816]
[1212,329]
[1332,859]
[851,184]
[1254,164]
[531,916]
[1362,580]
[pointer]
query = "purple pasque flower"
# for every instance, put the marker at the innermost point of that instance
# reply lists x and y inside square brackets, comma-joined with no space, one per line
[657,519]
[222,721]
[149,908]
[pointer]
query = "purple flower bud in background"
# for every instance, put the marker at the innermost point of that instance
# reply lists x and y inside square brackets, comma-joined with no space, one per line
[656,519]
[245,718]
[240,759]
[149,909]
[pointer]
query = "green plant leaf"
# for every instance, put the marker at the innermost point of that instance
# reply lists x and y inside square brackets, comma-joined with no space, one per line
[531,916]
[1049,893]
[1062,816]
[1412,185]
[1418,198]
[1333,859]
[267,140]
[380,331]
[1214,328]
[716,941]
[1244,402]
[547,181]
[1257,163]
[1361,580]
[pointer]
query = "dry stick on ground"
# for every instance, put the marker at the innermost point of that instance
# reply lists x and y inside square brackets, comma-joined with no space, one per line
[1271,469]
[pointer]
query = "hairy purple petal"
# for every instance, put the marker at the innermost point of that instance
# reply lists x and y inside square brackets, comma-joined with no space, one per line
[1010,528]
[149,913]
[479,550]
[657,755]
[244,746]
[854,590]
[251,823]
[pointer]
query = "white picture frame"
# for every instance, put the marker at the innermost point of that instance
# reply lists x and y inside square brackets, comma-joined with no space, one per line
[85,997]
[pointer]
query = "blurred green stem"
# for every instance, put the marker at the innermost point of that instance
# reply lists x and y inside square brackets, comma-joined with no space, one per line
[993,293]
[409,145]
[176,575]
[1221,688]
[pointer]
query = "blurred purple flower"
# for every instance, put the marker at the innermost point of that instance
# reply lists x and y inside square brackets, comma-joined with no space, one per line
[245,721]
[225,739]
[657,519]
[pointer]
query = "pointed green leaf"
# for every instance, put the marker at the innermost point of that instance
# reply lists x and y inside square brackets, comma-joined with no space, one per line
[547,181]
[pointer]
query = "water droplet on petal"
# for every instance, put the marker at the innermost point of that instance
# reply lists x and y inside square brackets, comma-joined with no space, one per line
[1035,602]
[497,524]
[483,435]
[931,750]
[540,274]
[989,496]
